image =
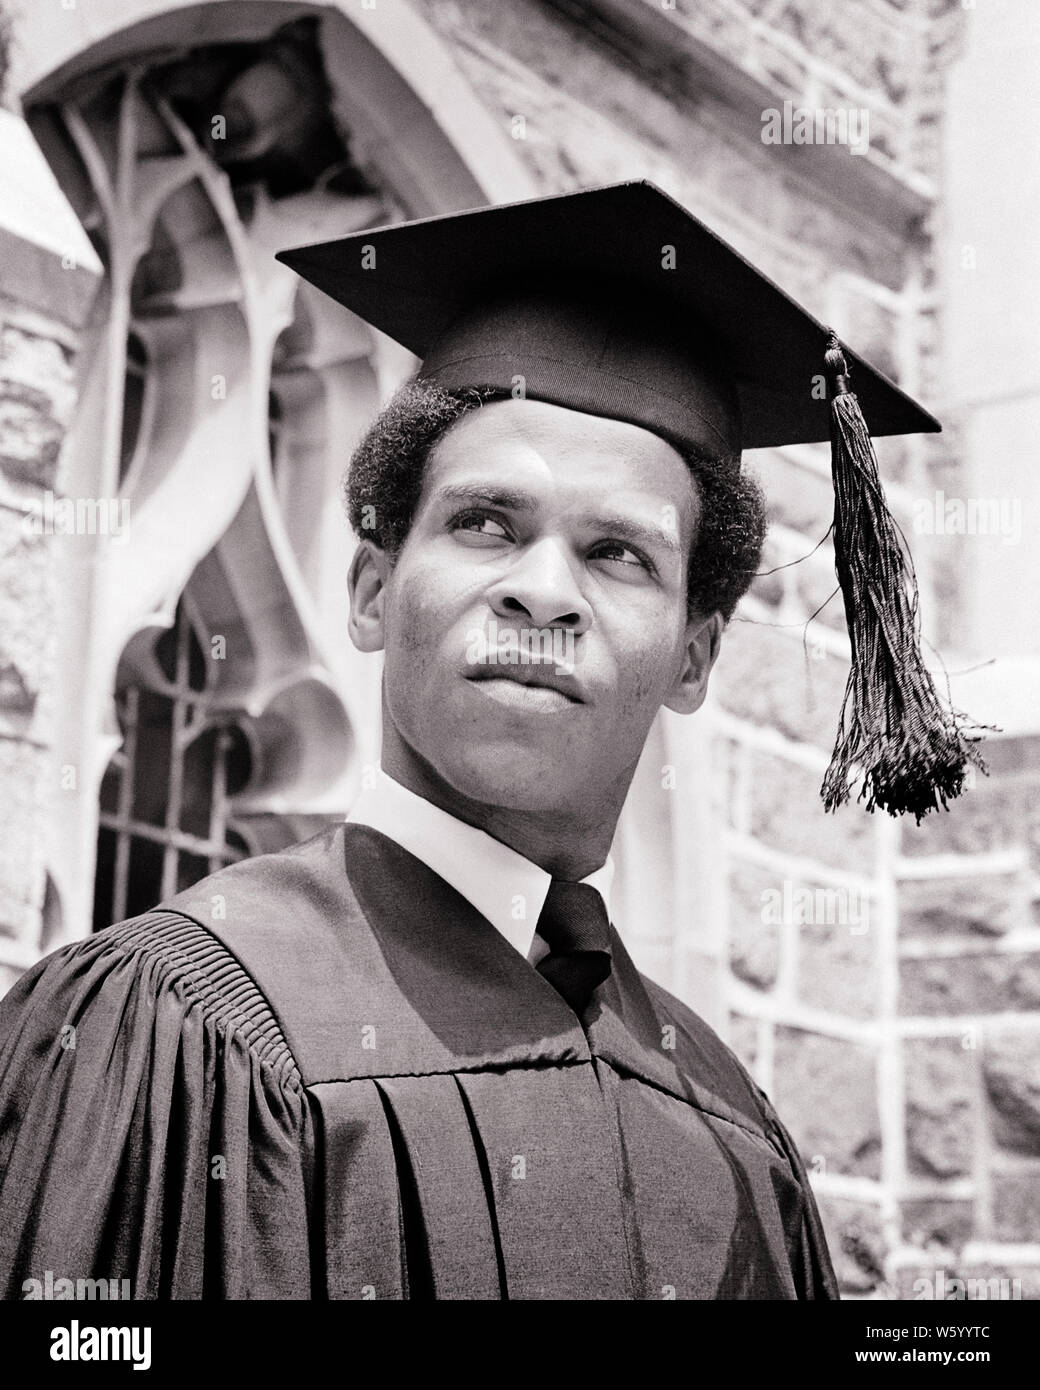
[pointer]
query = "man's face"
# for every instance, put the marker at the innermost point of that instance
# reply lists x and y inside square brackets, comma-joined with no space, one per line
[535,619]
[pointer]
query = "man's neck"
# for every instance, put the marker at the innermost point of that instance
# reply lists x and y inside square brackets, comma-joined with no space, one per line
[558,840]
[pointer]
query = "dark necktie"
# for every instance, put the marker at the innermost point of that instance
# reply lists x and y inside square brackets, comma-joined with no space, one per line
[575,927]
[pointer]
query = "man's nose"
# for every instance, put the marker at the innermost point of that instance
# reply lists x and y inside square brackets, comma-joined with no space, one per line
[542,586]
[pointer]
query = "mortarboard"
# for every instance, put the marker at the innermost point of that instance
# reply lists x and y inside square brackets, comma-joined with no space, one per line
[618,302]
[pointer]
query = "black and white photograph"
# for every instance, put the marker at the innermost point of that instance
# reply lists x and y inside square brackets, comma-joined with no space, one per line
[519,664]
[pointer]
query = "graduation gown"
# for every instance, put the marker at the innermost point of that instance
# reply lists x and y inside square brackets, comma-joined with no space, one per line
[323,1074]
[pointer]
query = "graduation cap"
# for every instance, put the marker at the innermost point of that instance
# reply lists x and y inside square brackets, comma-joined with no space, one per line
[617,302]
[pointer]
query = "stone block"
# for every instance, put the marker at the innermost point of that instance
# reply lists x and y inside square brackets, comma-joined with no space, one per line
[927,1223]
[825,1090]
[22,769]
[985,905]
[970,983]
[1016,1205]
[765,675]
[754,941]
[998,812]
[939,1085]
[838,967]
[879,253]
[1011,1071]
[786,813]
[855,1239]
[26,625]
[37,393]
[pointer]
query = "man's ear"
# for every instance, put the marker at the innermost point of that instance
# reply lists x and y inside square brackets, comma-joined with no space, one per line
[366,583]
[702,643]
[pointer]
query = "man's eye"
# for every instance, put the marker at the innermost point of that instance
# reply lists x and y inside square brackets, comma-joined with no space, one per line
[479,524]
[623,554]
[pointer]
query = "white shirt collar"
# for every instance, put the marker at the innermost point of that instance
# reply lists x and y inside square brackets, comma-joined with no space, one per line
[501,884]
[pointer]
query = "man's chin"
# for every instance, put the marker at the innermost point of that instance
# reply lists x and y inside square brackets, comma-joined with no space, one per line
[514,776]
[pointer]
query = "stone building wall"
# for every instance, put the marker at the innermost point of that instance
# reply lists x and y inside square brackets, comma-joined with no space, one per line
[48,278]
[882,980]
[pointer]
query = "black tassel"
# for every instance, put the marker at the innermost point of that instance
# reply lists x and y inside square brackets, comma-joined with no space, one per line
[911,752]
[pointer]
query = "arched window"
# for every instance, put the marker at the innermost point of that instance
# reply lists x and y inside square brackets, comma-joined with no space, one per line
[220,409]
[165,818]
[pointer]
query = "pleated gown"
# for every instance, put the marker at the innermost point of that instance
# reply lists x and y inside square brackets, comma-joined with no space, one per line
[322,1074]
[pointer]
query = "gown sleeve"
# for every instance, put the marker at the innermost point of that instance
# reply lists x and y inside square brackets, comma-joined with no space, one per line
[153,1127]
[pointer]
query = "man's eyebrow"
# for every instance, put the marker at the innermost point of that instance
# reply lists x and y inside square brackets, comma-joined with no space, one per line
[492,494]
[610,523]
[628,529]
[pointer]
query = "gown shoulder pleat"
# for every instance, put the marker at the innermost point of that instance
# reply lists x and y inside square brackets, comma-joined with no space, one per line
[152,1122]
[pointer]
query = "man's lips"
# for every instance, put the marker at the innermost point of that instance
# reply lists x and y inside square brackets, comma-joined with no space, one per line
[538,675]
